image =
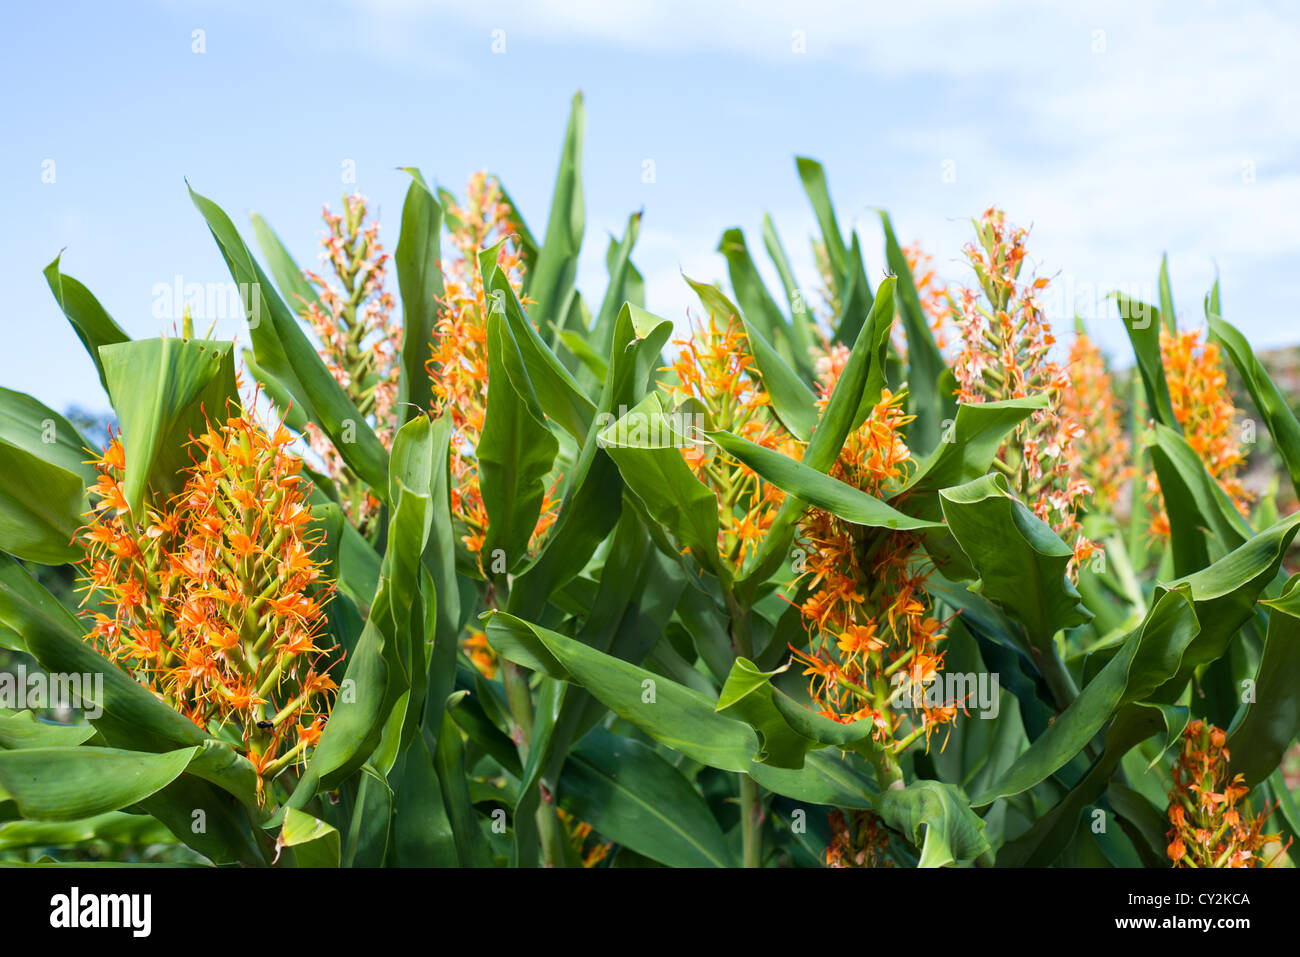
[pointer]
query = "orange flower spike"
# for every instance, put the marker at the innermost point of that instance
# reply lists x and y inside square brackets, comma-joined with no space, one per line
[1203,405]
[1211,824]
[1005,341]
[182,622]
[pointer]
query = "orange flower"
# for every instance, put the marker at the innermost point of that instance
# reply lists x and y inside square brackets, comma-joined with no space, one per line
[857,840]
[207,608]
[1089,400]
[1211,824]
[459,364]
[936,304]
[864,601]
[1203,406]
[714,366]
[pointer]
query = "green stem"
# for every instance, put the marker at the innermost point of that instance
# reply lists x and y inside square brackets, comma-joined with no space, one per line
[751,819]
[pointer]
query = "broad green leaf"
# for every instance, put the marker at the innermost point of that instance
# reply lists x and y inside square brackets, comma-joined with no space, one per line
[760,309]
[1271,723]
[1020,560]
[856,390]
[1272,404]
[966,451]
[829,776]
[646,446]
[93,326]
[38,429]
[747,696]
[449,762]
[515,452]
[550,280]
[937,818]
[1042,844]
[537,368]
[631,795]
[816,488]
[619,291]
[422,835]
[65,784]
[1148,658]
[1142,322]
[22,729]
[1225,593]
[314,843]
[804,332]
[165,392]
[813,176]
[925,362]
[419,280]
[1200,512]
[857,301]
[672,714]
[298,292]
[113,827]
[41,505]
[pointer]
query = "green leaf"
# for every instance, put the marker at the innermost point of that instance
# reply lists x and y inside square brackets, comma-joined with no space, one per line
[165,392]
[936,818]
[314,843]
[22,729]
[856,391]
[804,332]
[816,488]
[549,282]
[41,506]
[647,449]
[760,309]
[1271,722]
[1200,512]
[94,326]
[64,784]
[113,827]
[449,761]
[672,714]
[622,278]
[747,696]
[830,776]
[1042,844]
[632,796]
[1225,593]
[813,177]
[966,452]
[1149,657]
[298,292]
[1020,560]
[33,426]
[284,351]
[515,452]
[1272,404]
[537,370]
[925,362]
[419,280]
[857,302]
[1142,322]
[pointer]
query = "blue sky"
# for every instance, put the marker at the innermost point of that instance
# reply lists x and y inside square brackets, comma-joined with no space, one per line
[1118,131]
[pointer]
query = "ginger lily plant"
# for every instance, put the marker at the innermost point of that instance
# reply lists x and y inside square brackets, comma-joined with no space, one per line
[476,571]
